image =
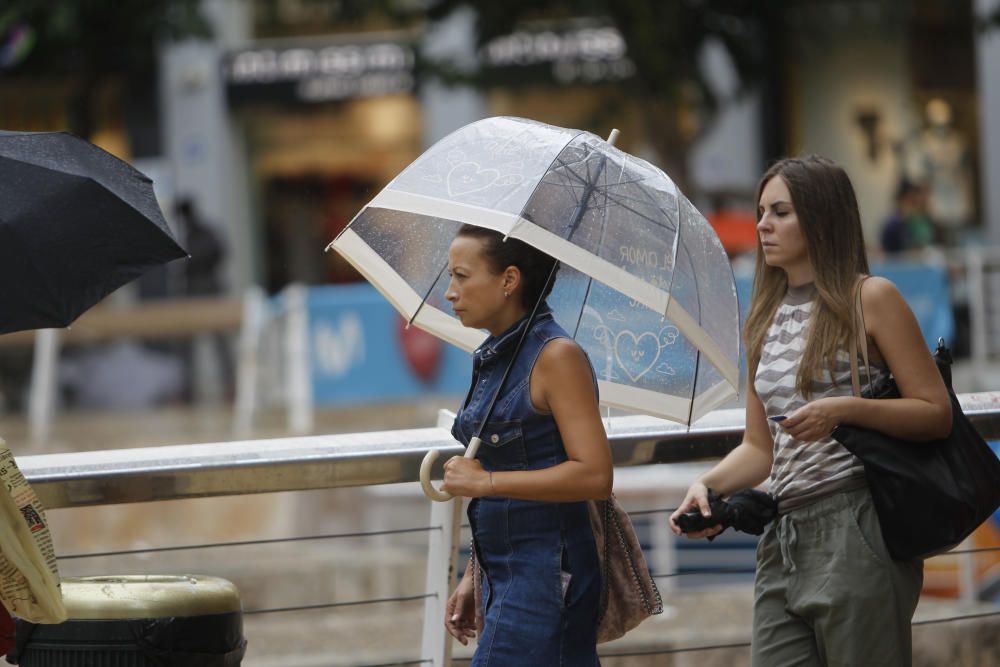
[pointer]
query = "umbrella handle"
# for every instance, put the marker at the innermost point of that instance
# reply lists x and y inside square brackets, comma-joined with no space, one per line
[425,471]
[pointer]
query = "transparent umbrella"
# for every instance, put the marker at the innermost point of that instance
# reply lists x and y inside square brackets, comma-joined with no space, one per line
[645,285]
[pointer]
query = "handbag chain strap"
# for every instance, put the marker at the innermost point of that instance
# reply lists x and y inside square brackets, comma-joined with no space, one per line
[606,567]
[612,517]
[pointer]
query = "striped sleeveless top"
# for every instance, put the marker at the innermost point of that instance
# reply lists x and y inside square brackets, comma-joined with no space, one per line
[803,471]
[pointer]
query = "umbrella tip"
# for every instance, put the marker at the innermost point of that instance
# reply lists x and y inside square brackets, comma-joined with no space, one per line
[613,137]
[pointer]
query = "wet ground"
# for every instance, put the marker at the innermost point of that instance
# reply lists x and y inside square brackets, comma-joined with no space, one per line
[82,431]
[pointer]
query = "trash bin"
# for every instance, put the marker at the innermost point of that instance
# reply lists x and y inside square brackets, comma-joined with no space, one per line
[139,621]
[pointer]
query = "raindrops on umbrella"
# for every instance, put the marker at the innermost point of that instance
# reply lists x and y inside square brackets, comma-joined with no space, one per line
[645,285]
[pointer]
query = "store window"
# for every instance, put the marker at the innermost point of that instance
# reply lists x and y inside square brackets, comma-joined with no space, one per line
[315,169]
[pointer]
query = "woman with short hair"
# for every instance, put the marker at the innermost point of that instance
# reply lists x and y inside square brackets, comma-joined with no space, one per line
[544,453]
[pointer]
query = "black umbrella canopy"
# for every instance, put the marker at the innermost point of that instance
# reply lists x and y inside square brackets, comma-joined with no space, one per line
[76,223]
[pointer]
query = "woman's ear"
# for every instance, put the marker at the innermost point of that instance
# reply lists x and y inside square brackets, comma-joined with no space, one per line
[511,278]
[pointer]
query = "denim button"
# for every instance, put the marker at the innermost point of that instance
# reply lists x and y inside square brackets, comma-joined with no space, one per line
[494,438]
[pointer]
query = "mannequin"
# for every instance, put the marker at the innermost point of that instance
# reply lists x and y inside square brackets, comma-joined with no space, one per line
[938,156]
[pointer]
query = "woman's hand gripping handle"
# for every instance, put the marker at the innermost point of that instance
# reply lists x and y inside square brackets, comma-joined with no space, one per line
[428,463]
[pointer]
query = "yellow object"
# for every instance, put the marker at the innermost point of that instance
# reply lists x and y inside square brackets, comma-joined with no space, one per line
[148,596]
[29,578]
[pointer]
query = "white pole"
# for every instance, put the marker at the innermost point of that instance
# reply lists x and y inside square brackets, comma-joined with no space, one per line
[248,361]
[976,279]
[298,380]
[442,559]
[42,395]
[967,575]
[664,554]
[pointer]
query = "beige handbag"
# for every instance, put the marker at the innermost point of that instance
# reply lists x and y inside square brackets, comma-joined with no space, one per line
[628,593]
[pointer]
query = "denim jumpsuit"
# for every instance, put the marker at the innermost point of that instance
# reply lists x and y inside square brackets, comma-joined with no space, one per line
[541,584]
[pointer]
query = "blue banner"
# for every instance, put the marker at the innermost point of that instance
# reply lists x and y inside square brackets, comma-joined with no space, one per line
[926,290]
[924,287]
[361,351]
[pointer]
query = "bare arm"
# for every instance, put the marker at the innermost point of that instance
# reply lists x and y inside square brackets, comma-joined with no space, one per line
[561,383]
[747,465]
[460,610]
[924,411]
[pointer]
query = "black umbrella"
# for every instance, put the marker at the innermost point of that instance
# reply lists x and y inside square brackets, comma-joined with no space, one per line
[76,223]
[748,511]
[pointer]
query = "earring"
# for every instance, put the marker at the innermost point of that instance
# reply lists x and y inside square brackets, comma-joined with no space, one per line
[506,294]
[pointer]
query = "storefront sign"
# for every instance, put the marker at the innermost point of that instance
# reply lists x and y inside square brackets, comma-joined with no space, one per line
[322,73]
[567,55]
[306,73]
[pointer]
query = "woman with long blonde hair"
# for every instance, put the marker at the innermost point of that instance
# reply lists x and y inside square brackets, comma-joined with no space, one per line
[826,589]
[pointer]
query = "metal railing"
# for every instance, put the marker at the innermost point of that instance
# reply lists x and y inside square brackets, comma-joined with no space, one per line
[322,462]
[110,477]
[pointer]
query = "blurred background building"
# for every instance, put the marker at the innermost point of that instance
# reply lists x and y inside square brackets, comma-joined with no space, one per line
[267,124]
[279,119]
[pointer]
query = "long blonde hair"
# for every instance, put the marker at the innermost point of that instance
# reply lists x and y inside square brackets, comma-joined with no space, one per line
[827,211]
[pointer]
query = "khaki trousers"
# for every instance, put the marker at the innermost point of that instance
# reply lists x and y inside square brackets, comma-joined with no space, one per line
[827,592]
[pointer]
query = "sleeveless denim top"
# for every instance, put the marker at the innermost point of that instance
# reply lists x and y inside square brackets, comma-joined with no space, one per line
[514,421]
[542,580]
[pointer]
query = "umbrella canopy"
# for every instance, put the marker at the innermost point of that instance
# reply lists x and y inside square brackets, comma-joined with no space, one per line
[646,287]
[76,223]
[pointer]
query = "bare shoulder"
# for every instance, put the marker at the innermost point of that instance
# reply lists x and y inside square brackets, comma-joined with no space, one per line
[889,320]
[562,355]
[562,377]
[880,297]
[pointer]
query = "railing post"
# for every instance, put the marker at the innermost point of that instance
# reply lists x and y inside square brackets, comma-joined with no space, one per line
[442,559]
[967,573]
[44,376]
[298,382]
[664,548]
[978,310]
[248,361]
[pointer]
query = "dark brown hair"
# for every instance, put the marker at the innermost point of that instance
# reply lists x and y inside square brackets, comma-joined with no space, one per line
[827,211]
[533,264]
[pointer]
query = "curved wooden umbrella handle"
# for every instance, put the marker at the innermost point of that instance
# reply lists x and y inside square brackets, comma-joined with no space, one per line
[428,462]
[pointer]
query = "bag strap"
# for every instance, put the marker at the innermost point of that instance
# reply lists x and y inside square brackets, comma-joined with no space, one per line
[859,335]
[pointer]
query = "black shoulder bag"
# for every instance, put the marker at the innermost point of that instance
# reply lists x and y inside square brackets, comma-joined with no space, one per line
[929,496]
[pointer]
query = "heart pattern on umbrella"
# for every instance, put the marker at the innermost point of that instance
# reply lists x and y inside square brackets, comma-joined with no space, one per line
[468,177]
[612,219]
[637,355]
